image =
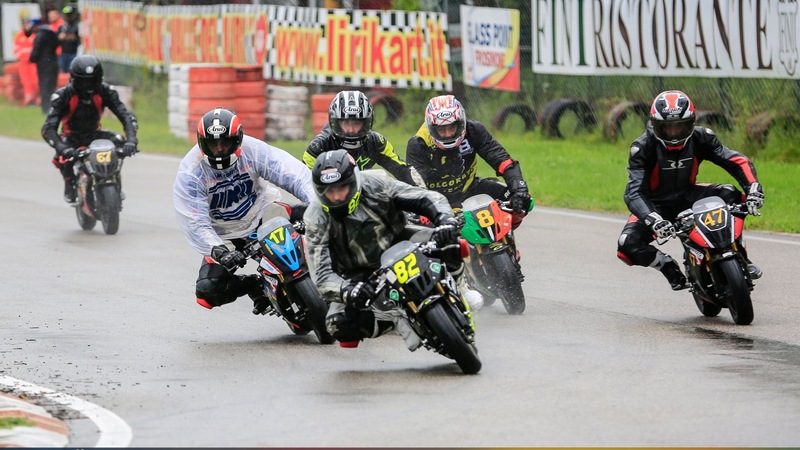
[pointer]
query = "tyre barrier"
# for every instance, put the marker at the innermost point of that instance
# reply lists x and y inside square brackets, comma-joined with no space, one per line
[520,109]
[758,128]
[613,124]
[714,119]
[392,105]
[287,112]
[320,104]
[555,110]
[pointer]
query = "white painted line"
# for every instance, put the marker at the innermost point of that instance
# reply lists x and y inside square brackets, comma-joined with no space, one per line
[114,432]
[750,236]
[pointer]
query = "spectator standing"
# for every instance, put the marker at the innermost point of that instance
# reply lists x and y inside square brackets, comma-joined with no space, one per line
[44,56]
[69,38]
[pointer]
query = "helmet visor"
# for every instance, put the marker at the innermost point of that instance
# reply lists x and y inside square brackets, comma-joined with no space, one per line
[86,85]
[673,131]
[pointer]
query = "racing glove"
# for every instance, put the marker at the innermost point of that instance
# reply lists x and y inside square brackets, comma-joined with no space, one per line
[68,153]
[358,294]
[446,231]
[521,201]
[662,228]
[129,149]
[229,259]
[755,199]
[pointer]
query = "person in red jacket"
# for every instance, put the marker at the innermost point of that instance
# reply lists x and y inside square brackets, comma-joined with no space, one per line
[662,170]
[23,45]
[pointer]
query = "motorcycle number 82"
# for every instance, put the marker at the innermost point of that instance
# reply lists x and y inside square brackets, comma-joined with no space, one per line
[406,268]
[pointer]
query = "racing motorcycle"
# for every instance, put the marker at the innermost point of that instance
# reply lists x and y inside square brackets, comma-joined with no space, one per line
[413,281]
[711,232]
[277,246]
[493,269]
[97,169]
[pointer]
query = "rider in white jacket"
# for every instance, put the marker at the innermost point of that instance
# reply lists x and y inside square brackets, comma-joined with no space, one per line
[223,186]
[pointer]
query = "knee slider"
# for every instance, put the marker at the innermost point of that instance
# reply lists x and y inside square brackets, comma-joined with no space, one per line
[351,325]
[213,292]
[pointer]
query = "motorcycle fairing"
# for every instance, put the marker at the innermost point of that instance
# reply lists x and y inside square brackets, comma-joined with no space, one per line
[714,227]
[484,221]
[281,244]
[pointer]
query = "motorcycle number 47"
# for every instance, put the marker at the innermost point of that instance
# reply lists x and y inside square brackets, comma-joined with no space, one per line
[714,219]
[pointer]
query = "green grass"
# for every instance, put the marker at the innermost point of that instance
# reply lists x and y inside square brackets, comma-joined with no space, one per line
[583,172]
[11,422]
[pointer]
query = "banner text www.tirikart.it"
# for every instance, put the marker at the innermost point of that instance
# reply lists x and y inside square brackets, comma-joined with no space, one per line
[315,45]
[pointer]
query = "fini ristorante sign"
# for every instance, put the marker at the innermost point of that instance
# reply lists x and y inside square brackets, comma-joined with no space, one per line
[711,38]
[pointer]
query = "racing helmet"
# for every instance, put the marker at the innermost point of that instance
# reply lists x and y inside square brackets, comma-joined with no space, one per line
[672,116]
[446,121]
[334,169]
[350,106]
[86,75]
[217,128]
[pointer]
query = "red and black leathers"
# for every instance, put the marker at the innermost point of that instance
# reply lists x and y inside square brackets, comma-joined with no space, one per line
[453,172]
[664,182]
[80,118]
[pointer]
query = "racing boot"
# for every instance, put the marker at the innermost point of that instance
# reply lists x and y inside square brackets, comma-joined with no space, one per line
[754,271]
[474,298]
[261,304]
[673,274]
[70,192]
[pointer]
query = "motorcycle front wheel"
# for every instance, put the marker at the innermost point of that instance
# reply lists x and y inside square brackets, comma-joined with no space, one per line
[453,339]
[737,292]
[316,308]
[109,206]
[502,273]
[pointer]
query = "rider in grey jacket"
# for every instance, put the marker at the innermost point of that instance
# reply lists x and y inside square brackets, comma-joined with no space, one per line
[354,219]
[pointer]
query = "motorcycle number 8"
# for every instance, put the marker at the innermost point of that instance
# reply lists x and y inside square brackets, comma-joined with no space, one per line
[485,218]
[406,268]
[103,157]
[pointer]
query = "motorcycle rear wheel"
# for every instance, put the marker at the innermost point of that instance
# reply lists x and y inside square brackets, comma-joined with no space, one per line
[737,292]
[453,339]
[110,204]
[85,221]
[316,308]
[502,273]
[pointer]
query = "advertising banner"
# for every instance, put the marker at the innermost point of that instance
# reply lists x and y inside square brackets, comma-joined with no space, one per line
[359,48]
[490,47]
[719,38]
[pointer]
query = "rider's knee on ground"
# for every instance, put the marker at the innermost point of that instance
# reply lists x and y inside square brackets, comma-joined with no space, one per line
[351,325]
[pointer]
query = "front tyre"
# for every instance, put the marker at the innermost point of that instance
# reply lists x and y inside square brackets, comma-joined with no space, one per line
[109,207]
[453,339]
[316,308]
[736,291]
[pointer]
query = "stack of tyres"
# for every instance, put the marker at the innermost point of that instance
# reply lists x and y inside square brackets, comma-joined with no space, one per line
[287,110]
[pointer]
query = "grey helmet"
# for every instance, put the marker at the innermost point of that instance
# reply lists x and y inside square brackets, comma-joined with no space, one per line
[350,105]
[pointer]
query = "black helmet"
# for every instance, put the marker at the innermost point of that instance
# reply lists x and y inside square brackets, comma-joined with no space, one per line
[220,126]
[673,118]
[350,105]
[86,75]
[334,169]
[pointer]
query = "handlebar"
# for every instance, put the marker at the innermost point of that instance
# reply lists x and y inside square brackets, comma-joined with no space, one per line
[684,221]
